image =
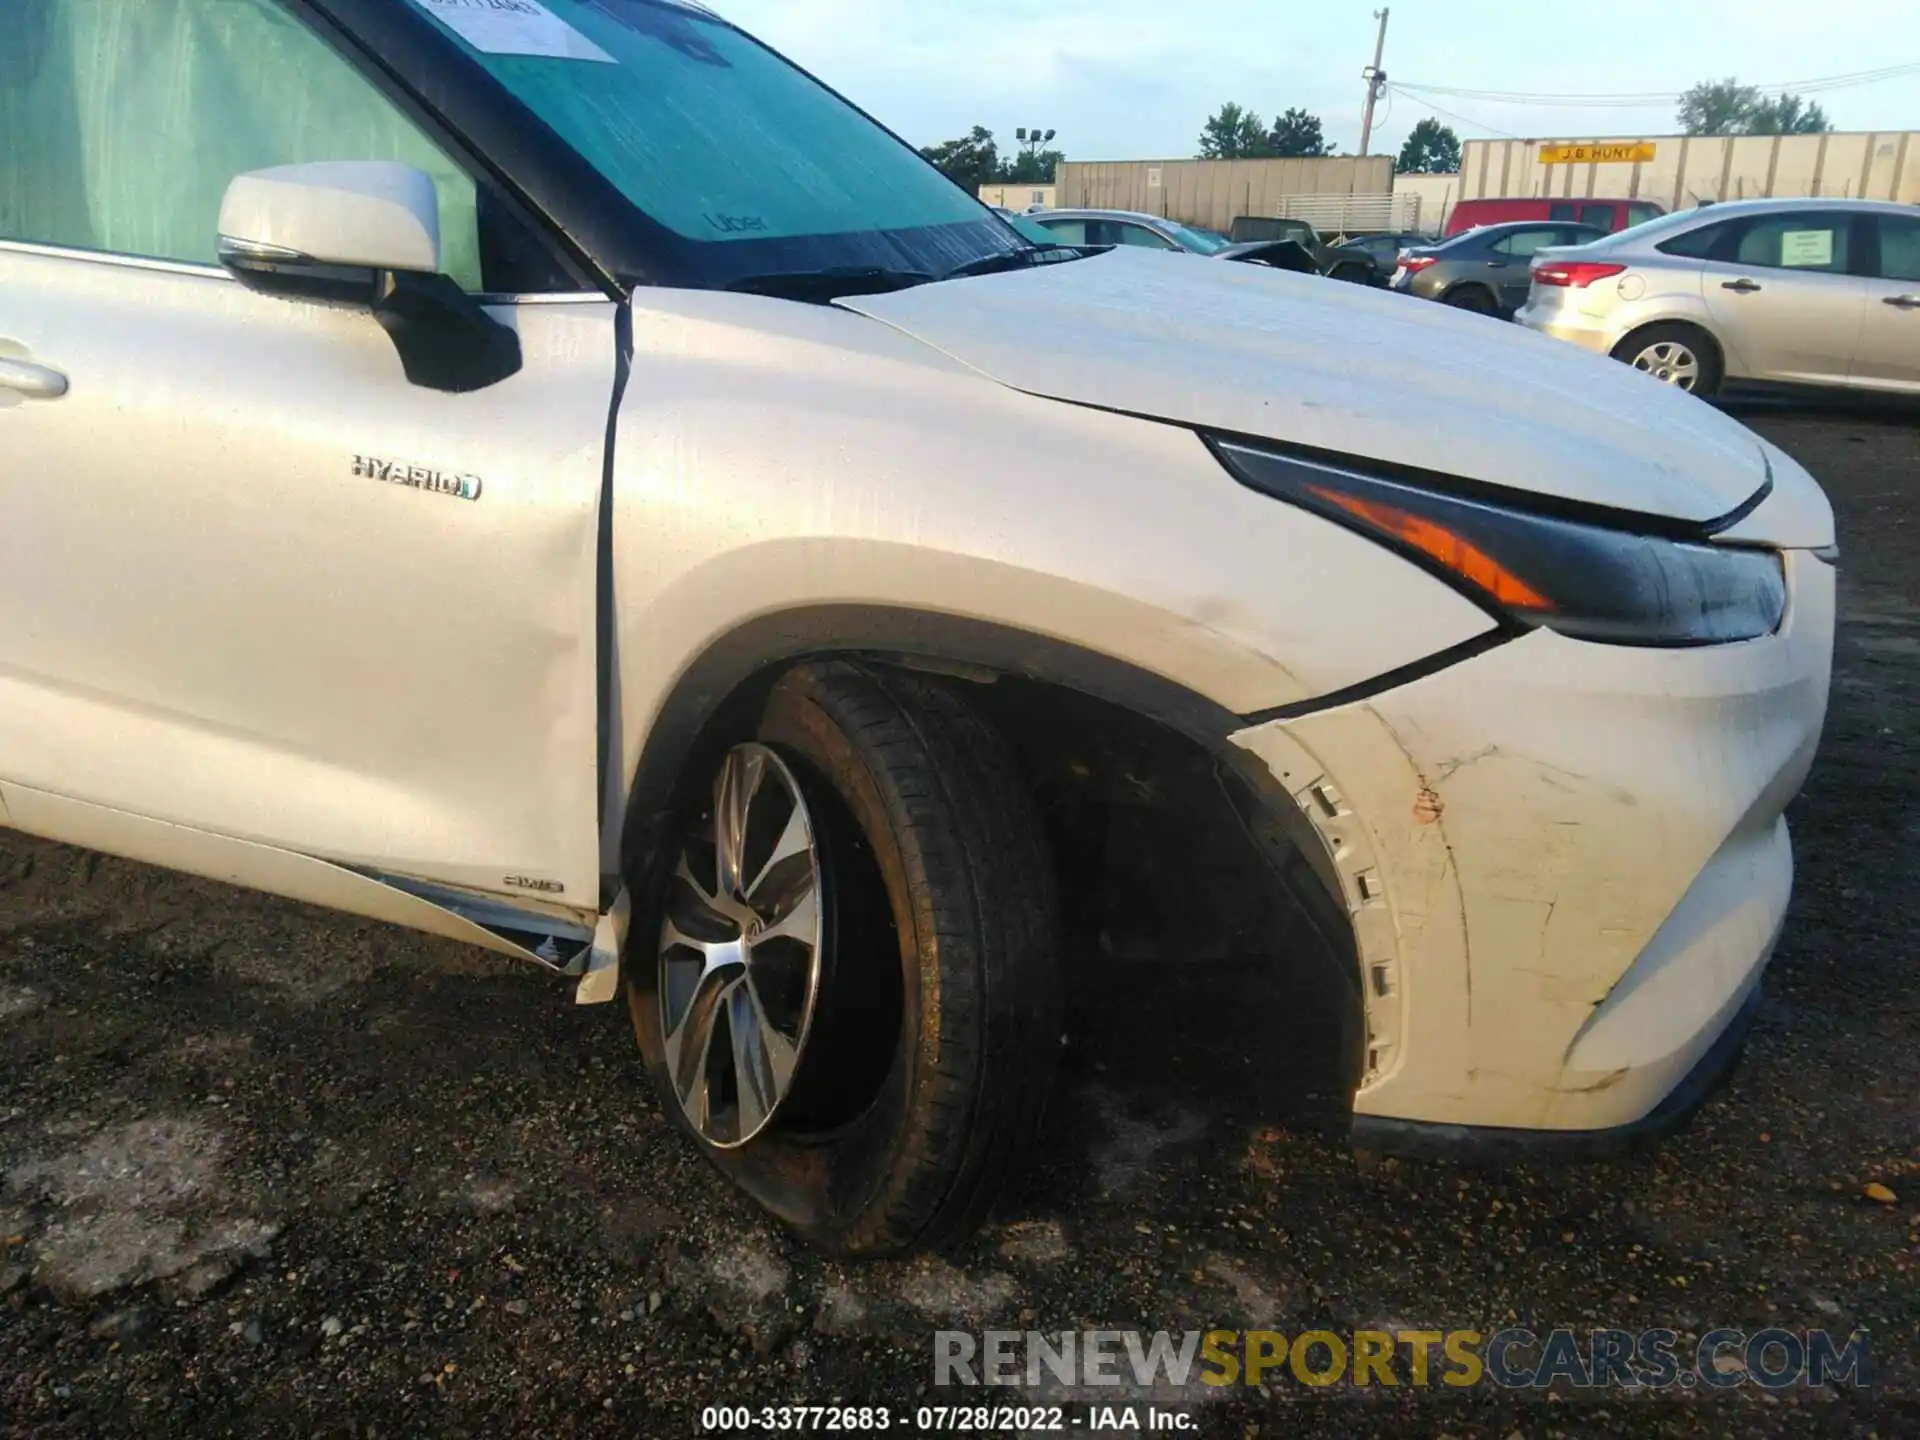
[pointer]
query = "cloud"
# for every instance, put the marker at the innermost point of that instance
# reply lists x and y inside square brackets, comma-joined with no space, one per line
[1137,78]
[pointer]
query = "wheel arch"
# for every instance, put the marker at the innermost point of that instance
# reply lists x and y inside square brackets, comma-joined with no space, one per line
[720,692]
[1462,287]
[1682,321]
[738,669]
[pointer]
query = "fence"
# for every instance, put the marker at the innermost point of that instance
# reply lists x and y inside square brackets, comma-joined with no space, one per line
[1212,192]
[1353,214]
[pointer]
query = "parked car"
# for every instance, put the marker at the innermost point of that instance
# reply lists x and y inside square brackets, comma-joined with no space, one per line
[1782,291]
[1603,214]
[1485,270]
[580,487]
[1154,232]
[1384,249]
[1334,258]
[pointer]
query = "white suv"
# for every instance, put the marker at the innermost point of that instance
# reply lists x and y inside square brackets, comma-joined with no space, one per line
[553,474]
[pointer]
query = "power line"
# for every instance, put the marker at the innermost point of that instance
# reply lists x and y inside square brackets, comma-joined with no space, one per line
[1648,98]
[1394,86]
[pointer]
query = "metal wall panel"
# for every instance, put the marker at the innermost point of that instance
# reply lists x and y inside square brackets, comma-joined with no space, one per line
[1213,192]
[1687,169]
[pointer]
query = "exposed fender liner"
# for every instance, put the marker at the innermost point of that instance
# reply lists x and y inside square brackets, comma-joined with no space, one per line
[739,668]
[606,631]
[952,643]
[973,650]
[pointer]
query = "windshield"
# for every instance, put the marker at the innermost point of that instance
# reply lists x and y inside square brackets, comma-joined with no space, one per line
[742,164]
[1201,242]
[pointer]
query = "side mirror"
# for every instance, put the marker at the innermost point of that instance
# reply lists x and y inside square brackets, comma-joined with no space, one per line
[365,233]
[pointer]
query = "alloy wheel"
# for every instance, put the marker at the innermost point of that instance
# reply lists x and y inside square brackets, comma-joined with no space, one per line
[1670,361]
[740,950]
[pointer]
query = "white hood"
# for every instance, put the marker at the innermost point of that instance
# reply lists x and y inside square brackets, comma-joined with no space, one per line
[1316,362]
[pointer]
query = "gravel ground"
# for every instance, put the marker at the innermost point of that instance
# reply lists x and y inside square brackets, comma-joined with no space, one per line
[272,1171]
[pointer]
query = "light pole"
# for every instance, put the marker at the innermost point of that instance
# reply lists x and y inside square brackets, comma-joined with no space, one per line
[1033,138]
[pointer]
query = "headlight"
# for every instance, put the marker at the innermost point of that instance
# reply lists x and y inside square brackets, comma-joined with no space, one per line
[1585,580]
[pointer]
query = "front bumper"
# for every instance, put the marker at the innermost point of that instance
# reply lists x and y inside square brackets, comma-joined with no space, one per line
[1565,863]
[1426,1139]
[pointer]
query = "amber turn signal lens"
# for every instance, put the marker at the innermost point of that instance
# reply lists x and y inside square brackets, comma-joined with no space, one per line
[1452,551]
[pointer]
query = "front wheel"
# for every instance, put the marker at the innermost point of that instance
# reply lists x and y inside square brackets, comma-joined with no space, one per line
[851,999]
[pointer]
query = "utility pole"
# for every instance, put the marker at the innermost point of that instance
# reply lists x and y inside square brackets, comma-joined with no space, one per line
[1376,79]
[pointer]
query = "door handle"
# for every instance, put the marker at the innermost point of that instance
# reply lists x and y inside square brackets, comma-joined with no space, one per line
[36,382]
[1905,302]
[1744,287]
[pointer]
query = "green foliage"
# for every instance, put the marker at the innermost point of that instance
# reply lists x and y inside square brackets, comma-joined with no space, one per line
[1297,133]
[1431,149]
[1787,115]
[974,160]
[1233,132]
[1030,167]
[970,162]
[1726,107]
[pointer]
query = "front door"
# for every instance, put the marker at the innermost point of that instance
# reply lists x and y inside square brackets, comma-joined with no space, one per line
[1784,304]
[1889,353]
[252,581]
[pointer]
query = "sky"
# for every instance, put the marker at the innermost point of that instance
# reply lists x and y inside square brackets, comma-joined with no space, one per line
[1135,79]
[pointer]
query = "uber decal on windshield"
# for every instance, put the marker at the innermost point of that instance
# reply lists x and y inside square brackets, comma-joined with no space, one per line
[514,27]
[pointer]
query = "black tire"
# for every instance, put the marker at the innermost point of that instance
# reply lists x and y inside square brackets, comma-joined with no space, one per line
[1354,274]
[1471,297]
[1708,367]
[938,1025]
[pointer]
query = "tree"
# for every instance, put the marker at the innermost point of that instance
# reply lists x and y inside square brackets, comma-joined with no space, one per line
[1431,149]
[1787,115]
[1297,133]
[1718,107]
[1726,107]
[1233,132]
[1031,167]
[970,162]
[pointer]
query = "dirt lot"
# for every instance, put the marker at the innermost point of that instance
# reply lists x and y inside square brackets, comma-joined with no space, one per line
[270,1171]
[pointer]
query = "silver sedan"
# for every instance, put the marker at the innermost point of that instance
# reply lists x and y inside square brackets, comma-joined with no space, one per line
[1796,292]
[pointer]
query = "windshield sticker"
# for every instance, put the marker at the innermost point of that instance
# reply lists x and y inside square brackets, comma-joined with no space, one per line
[514,27]
[1806,249]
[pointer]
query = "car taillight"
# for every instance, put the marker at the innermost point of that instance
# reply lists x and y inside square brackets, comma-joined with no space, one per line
[1416,262]
[1578,274]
